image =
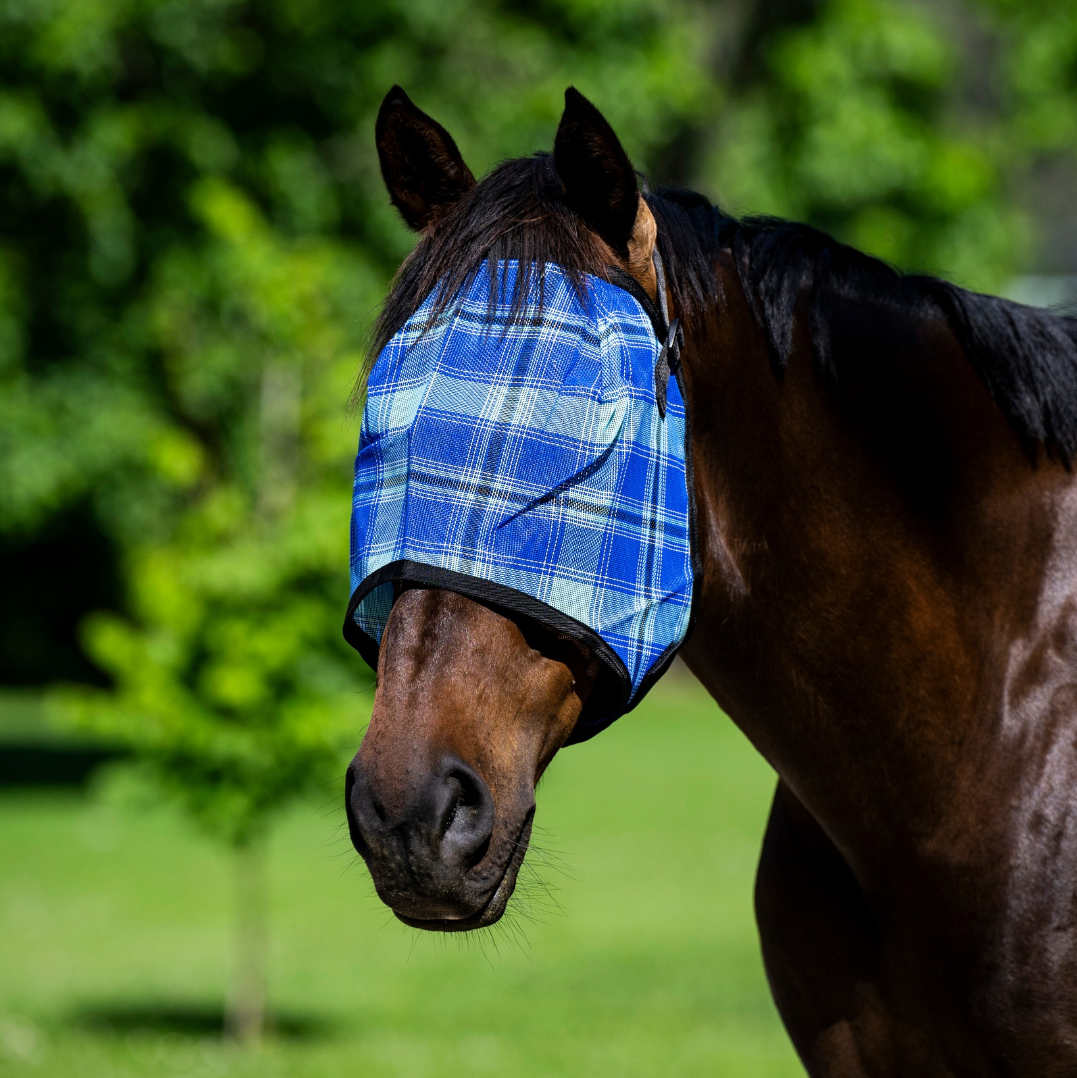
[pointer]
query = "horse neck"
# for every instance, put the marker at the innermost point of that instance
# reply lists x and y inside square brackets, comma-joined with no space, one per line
[873,553]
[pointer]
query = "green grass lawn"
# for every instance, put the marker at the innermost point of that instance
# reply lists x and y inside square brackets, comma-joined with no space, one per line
[650,966]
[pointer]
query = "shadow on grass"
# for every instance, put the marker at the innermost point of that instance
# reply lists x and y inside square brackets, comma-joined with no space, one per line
[191,1020]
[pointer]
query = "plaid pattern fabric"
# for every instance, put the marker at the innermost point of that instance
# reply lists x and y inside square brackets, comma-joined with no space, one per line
[526,462]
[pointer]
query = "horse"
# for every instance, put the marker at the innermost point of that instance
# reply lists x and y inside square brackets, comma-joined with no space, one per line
[886,521]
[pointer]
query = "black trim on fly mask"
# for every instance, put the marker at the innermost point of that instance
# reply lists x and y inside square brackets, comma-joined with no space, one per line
[668,332]
[611,694]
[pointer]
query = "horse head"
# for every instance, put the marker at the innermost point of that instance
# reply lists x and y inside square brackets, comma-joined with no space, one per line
[474,700]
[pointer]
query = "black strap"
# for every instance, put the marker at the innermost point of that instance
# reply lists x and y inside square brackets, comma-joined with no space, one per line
[669,333]
[669,358]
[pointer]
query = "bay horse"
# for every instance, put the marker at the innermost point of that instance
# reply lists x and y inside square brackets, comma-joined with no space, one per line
[887,524]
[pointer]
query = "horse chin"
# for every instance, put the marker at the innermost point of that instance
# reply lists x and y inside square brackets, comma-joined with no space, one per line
[494,908]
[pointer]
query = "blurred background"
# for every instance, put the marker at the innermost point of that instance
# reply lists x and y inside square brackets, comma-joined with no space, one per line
[194,240]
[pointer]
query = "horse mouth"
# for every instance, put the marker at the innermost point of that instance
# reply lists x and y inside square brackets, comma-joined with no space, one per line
[498,901]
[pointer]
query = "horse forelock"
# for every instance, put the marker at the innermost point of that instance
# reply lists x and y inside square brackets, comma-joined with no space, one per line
[517,211]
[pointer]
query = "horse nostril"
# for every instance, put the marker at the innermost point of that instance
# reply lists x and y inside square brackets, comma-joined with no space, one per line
[467,802]
[443,822]
[354,831]
[467,820]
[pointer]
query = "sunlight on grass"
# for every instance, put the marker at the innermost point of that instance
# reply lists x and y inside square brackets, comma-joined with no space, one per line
[642,958]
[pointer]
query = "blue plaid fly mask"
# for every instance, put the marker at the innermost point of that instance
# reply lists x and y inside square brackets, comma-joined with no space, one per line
[538,462]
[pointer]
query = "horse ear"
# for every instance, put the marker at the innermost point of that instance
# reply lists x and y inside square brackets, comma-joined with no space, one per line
[600,182]
[421,166]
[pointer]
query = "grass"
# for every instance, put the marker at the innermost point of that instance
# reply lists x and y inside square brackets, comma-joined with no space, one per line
[114,934]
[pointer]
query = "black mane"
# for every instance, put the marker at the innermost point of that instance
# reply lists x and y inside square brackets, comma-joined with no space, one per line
[1026,356]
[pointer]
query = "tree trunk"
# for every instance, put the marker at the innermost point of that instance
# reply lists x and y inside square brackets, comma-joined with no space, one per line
[245,1016]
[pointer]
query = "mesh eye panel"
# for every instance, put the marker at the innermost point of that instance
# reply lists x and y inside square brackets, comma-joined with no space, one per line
[524,462]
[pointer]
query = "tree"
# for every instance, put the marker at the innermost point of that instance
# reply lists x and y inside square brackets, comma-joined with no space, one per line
[868,119]
[232,684]
[1036,88]
[1038,76]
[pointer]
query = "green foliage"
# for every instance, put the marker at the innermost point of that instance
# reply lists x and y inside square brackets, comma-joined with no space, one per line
[852,123]
[231,676]
[1039,76]
[114,116]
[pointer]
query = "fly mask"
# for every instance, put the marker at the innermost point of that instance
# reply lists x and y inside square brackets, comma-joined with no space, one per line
[538,460]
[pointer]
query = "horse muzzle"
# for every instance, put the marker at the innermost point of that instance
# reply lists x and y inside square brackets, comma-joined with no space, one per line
[431,848]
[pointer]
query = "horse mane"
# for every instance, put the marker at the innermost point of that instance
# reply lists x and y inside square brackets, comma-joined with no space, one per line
[1026,356]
